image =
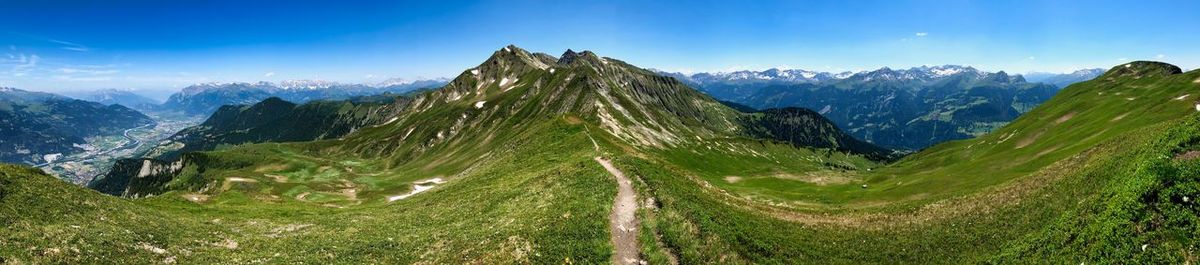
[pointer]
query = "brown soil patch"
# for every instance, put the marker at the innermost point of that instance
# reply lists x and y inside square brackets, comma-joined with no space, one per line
[1189,155]
[1048,150]
[820,178]
[230,181]
[271,168]
[1028,140]
[571,119]
[195,197]
[732,179]
[277,178]
[1065,118]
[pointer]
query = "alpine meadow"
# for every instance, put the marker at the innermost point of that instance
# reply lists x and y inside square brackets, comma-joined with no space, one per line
[173,152]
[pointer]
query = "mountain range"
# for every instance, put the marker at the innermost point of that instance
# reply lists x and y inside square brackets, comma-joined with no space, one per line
[204,99]
[630,103]
[899,108]
[127,98]
[535,159]
[1063,80]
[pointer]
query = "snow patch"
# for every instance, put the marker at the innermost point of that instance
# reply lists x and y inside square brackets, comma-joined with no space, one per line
[418,187]
[479,104]
[475,71]
[505,84]
[946,71]
[551,70]
[1182,97]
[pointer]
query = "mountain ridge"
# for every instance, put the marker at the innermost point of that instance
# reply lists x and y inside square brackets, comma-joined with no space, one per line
[510,163]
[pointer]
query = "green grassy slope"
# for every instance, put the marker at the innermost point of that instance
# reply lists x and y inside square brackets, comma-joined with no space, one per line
[497,168]
[542,201]
[505,152]
[1079,118]
[1096,192]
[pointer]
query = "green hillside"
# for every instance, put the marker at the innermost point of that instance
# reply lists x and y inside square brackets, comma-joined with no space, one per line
[500,166]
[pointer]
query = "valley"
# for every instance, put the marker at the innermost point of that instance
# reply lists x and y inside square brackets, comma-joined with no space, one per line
[599,132]
[532,158]
[102,151]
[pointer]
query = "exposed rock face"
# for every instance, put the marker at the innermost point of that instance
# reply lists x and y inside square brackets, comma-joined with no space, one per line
[136,177]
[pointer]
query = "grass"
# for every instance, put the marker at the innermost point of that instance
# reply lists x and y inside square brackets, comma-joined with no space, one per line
[1087,177]
[513,208]
[1067,222]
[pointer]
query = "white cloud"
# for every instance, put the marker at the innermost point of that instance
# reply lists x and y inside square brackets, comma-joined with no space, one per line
[1031,58]
[92,71]
[369,76]
[83,79]
[269,74]
[1160,56]
[71,46]
[922,34]
[21,64]
[1122,59]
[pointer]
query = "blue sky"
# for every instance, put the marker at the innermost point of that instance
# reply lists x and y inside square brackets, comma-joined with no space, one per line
[164,45]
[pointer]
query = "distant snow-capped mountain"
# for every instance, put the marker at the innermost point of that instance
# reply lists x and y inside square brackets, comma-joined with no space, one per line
[793,76]
[408,82]
[204,98]
[920,73]
[123,97]
[307,84]
[900,108]
[1061,80]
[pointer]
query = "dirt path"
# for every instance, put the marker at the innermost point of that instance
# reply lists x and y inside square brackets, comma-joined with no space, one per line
[623,221]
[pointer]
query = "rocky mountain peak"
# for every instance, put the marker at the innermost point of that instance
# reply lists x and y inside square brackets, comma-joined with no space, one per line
[567,57]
